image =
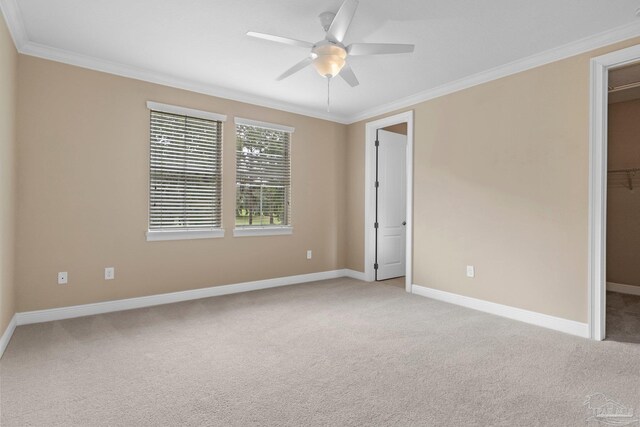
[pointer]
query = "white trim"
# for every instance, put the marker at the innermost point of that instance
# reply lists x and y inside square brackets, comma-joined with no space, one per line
[71,312]
[559,53]
[183,111]
[600,67]
[15,24]
[13,18]
[83,61]
[264,125]
[8,333]
[623,289]
[161,235]
[262,231]
[597,197]
[409,236]
[550,322]
[39,316]
[369,199]
[358,275]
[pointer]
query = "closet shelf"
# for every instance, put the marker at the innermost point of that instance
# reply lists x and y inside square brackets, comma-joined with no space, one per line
[632,170]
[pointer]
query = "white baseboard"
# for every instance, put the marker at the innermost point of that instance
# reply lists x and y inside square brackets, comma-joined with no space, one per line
[48,315]
[8,333]
[52,314]
[358,275]
[556,323]
[623,289]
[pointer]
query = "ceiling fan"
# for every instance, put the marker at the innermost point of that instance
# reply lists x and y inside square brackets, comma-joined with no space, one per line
[329,56]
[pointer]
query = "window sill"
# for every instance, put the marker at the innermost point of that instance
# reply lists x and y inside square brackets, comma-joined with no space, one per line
[160,235]
[262,231]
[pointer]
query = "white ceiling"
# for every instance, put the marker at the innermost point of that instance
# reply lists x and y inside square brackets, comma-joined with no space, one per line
[203,42]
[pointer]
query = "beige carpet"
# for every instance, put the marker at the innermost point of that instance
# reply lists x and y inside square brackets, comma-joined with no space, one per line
[336,353]
[399,282]
[623,318]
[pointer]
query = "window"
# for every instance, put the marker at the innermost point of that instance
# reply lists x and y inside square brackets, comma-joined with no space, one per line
[263,178]
[185,178]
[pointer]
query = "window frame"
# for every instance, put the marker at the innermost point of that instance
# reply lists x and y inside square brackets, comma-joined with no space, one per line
[262,230]
[185,233]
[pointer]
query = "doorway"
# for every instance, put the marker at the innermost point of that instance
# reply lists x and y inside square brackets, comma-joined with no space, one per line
[623,204]
[388,199]
[391,205]
[601,69]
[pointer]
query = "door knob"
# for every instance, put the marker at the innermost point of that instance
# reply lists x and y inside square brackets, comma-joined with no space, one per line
[404,222]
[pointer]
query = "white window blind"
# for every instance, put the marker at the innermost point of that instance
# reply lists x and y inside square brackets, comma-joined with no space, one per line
[263,174]
[185,172]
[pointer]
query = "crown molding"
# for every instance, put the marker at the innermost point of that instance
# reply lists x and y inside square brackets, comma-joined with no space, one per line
[110,67]
[577,47]
[15,23]
[13,18]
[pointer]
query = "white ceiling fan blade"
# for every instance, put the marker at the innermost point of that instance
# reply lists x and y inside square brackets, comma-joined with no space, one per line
[349,76]
[278,39]
[342,20]
[299,66]
[359,49]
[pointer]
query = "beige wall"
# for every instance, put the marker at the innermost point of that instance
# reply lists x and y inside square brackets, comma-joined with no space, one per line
[8,99]
[83,193]
[400,128]
[355,200]
[501,183]
[623,205]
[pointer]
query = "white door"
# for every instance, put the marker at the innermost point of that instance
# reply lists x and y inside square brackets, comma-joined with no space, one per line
[392,205]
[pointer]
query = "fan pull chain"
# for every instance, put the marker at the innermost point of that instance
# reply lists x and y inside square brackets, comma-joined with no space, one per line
[328,94]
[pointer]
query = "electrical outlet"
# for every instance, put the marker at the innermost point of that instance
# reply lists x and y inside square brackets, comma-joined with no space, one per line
[109,273]
[309,254]
[471,271]
[63,278]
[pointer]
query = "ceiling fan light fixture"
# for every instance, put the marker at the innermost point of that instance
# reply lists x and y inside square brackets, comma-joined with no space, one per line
[330,60]
[329,56]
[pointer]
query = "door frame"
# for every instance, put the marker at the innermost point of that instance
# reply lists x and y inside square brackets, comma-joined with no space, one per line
[597,264]
[369,194]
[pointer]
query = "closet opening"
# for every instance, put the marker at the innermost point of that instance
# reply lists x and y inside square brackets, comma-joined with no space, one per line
[623,205]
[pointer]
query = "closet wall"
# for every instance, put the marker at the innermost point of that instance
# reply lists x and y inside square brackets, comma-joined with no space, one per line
[623,194]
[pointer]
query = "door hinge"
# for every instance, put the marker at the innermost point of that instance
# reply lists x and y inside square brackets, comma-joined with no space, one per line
[377,143]
[375,225]
[377,184]
[375,266]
